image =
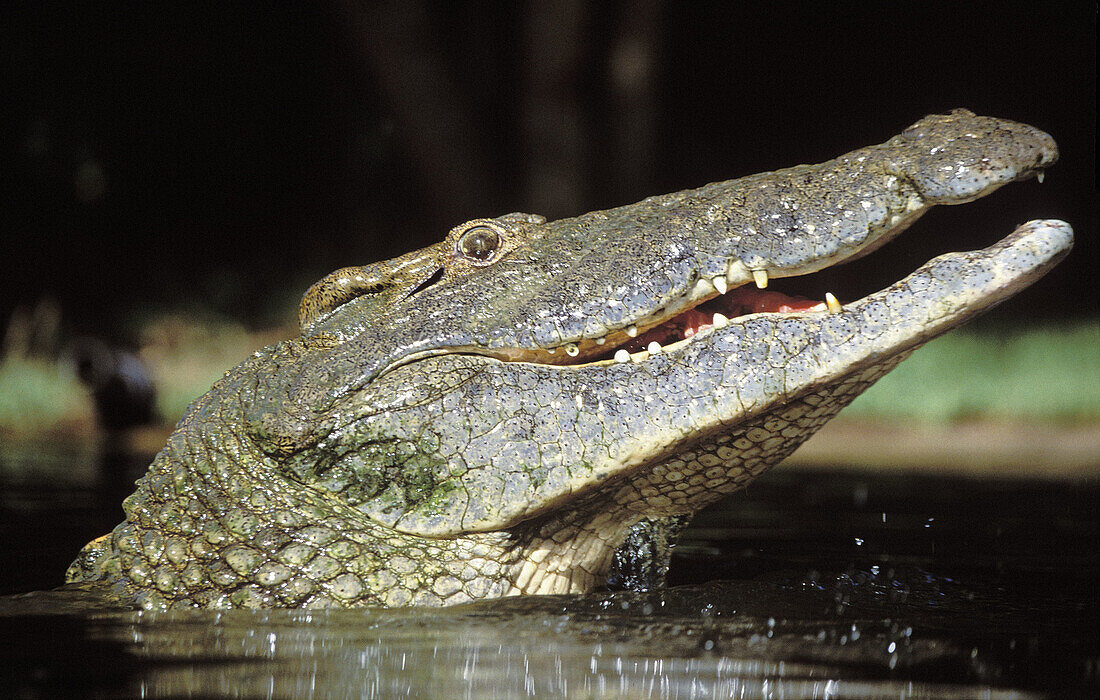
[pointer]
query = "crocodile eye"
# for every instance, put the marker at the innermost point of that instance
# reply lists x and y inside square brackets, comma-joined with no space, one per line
[479,244]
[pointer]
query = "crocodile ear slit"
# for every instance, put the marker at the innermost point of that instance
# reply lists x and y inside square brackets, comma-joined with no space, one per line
[436,276]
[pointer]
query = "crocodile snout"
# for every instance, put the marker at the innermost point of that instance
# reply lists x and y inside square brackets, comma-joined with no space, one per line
[958,157]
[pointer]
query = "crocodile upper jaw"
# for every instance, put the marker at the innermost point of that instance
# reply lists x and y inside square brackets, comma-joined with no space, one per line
[567,291]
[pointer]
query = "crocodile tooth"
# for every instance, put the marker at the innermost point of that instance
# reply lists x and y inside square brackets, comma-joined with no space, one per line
[632,331]
[622,355]
[832,303]
[552,351]
[654,348]
[761,278]
[1040,175]
[703,288]
[720,321]
[601,340]
[572,350]
[720,284]
[737,273]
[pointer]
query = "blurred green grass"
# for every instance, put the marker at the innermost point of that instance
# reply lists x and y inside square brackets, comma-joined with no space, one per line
[1048,373]
[39,397]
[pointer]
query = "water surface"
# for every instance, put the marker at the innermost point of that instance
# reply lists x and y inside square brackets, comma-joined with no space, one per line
[811,583]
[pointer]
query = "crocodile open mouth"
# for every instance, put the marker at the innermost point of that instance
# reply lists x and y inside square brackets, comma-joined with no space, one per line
[701,314]
[680,328]
[717,312]
[1043,241]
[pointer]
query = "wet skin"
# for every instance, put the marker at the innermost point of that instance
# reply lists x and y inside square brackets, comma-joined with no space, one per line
[492,415]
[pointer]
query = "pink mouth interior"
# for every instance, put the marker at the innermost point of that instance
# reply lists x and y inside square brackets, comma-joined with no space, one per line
[737,302]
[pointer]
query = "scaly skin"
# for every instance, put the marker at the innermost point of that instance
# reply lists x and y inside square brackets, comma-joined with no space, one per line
[450,426]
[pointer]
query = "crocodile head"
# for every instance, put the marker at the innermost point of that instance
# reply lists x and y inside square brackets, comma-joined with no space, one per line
[490,415]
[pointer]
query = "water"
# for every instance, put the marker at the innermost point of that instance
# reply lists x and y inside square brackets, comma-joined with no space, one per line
[812,583]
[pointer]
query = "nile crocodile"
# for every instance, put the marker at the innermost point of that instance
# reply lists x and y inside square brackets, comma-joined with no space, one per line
[491,415]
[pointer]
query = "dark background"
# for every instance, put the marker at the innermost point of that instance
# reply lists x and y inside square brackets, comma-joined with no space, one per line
[222,157]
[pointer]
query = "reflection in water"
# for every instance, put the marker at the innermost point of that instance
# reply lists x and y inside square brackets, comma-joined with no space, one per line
[709,641]
[810,584]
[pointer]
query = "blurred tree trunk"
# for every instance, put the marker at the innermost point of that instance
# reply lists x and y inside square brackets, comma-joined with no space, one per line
[584,138]
[633,114]
[395,43]
[553,128]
